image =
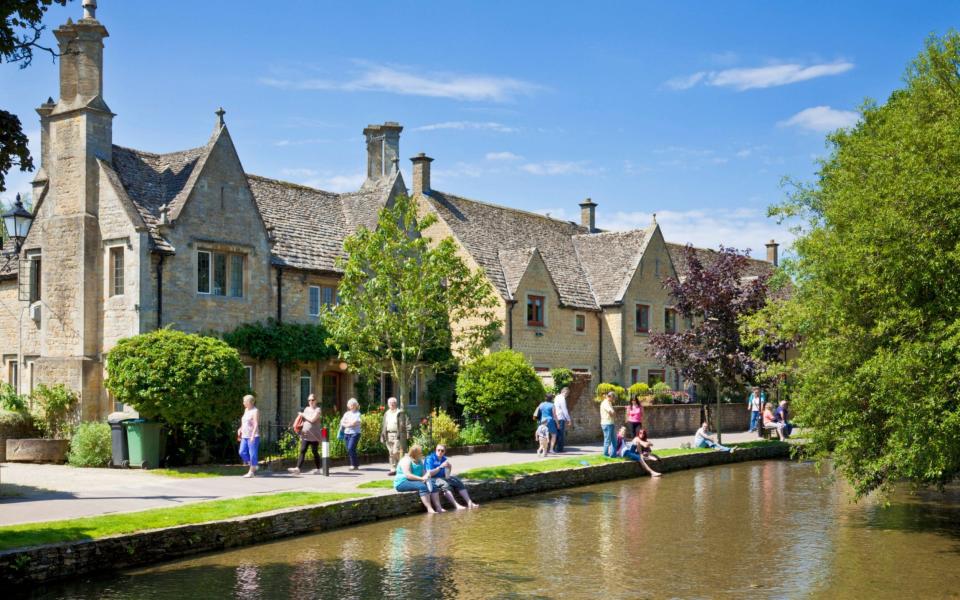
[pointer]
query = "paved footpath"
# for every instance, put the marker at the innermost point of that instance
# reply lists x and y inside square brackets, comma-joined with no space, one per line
[30,493]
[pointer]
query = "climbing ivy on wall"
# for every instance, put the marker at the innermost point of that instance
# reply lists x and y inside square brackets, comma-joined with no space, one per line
[288,343]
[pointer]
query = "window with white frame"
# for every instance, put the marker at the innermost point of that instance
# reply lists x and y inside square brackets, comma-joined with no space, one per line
[249,372]
[314,301]
[116,271]
[220,273]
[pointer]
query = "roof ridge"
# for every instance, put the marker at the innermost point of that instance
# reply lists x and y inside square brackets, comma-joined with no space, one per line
[748,257]
[291,184]
[157,154]
[510,208]
[613,231]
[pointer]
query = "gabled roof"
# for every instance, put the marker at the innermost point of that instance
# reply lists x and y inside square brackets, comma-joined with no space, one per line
[514,264]
[486,229]
[755,267]
[610,259]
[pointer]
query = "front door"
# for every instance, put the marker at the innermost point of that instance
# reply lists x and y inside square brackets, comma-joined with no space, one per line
[330,392]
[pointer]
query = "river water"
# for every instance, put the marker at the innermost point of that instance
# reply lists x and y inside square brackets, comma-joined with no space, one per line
[773,529]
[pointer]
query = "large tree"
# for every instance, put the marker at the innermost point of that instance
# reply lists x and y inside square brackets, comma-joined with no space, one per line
[712,297]
[878,284]
[20,34]
[405,299]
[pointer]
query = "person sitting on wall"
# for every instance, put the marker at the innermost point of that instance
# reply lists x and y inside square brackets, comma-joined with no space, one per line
[770,421]
[704,439]
[412,477]
[646,446]
[630,449]
[782,415]
[439,468]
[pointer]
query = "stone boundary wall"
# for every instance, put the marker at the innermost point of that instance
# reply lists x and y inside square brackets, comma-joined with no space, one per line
[366,459]
[660,420]
[48,563]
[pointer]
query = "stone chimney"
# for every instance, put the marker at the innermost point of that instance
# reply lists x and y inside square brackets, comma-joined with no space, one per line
[588,215]
[81,61]
[383,150]
[421,173]
[773,252]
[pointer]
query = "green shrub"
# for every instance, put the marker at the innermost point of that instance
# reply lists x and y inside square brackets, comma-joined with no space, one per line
[421,437]
[11,400]
[662,393]
[638,390]
[16,425]
[370,425]
[603,388]
[561,378]
[90,446]
[53,410]
[502,389]
[474,434]
[445,429]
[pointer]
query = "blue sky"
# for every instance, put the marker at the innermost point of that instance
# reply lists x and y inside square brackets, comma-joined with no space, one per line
[694,111]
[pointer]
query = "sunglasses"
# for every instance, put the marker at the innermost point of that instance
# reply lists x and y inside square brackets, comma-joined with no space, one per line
[441,450]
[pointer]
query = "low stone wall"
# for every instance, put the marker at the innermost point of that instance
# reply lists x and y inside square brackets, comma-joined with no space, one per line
[279,464]
[63,561]
[37,450]
[660,420]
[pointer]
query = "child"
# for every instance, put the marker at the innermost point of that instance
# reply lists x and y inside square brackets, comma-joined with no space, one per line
[543,436]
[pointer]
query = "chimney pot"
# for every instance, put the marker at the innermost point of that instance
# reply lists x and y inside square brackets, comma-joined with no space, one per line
[773,252]
[588,215]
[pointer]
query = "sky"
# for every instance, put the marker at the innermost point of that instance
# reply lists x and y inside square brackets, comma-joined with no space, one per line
[695,111]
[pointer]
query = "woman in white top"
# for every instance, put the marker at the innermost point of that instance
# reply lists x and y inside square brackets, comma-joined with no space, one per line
[350,422]
[249,434]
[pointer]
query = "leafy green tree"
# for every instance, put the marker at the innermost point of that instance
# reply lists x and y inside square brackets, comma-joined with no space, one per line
[562,377]
[404,299]
[20,32]
[502,389]
[877,271]
[193,383]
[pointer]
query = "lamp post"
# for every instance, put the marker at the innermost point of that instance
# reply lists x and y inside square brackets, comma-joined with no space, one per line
[17,222]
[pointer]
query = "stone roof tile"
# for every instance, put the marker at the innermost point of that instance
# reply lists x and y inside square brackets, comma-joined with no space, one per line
[610,259]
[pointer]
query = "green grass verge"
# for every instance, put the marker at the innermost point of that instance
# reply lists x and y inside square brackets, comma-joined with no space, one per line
[200,471]
[377,484]
[88,528]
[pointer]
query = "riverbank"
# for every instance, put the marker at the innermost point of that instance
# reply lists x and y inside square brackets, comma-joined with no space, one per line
[67,560]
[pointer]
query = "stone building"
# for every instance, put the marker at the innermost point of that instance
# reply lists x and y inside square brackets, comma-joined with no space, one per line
[125,241]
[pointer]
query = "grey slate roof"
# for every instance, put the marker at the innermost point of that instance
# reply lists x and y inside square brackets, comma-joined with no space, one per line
[755,267]
[514,264]
[610,259]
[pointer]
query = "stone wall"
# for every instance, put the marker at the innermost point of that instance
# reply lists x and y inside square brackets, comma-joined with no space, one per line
[34,566]
[660,420]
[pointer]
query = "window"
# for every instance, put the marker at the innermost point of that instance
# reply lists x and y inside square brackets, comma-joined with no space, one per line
[35,273]
[314,294]
[655,376]
[669,320]
[203,272]
[330,390]
[643,318]
[116,271]
[580,323]
[249,371]
[306,384]
[535,311]
[236,275]
[329,297]
[13,374]
[634,376]
[220,274]
[656,267]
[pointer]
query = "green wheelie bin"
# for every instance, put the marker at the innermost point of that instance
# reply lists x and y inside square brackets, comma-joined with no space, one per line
[143,442]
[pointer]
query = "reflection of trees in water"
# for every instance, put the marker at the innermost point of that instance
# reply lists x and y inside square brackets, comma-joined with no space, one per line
[248,582]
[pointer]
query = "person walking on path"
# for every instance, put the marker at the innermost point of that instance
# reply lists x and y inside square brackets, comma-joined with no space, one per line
[350,422]
[249,435]
[608,417]
[562,416]
[754,403]
[394,433]
[438,466]
[703,439]
[544,416]
[412,477]
[635,416]
[309,418]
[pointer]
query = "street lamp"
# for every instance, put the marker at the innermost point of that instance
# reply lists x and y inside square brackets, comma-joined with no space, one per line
[17,222]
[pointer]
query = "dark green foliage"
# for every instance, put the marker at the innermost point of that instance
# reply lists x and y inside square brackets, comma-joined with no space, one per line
[16,425]
[561,378]
[442,392]
[90,446]
[290,343]
[502,389]
[54,410]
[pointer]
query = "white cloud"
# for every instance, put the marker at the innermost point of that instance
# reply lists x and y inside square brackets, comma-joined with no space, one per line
[407,81]
[502,156]
[552,167]
[821,119]
[740,228]
[459,169]
[742,79]
[461,125]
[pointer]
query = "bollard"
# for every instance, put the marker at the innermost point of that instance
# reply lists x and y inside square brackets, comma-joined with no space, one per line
[325,451]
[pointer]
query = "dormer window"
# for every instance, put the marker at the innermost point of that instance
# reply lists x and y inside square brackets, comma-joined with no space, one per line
[535,310]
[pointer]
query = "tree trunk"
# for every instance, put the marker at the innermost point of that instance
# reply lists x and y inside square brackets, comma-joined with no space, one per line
[717,423]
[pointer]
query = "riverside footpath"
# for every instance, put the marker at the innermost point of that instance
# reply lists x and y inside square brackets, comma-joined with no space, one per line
[34,493]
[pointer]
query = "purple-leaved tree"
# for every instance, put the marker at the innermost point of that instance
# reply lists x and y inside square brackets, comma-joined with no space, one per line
[712,297]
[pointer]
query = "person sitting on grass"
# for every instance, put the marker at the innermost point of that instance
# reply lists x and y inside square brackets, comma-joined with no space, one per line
[770,421]
[646,446]
[631,449]
[439,468]
[412,477]
[703,439]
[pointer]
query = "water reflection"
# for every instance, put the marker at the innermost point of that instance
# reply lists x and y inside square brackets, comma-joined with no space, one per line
[757,530]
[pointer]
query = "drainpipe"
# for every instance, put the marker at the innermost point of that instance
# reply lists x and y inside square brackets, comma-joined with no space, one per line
[623,345]
[510,305]
[160,292]
[279,320]
[600,345]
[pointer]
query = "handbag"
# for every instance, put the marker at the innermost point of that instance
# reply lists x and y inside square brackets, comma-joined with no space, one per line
[340,435]
[298,424]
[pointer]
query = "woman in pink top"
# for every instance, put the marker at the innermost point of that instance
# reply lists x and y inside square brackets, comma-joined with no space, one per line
[635,416]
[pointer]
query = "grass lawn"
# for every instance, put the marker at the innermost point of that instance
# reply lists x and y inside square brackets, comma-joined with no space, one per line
[377,484]
[88,528]
[200,471]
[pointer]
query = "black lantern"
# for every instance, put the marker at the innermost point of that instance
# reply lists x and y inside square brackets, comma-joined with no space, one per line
[17,223]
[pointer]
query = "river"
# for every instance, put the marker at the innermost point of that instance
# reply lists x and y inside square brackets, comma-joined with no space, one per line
[773,529]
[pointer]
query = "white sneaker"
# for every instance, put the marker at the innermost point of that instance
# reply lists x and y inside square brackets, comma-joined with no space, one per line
[248,475]
[316,472]
[293,470]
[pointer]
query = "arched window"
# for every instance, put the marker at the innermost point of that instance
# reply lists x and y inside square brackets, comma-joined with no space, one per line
[306,385]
